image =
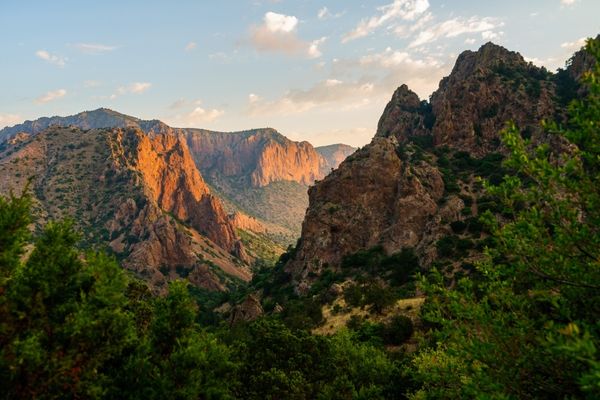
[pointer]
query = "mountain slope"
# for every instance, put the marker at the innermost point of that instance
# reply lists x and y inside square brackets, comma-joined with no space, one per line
[141,195]
[258,172]
[414,185]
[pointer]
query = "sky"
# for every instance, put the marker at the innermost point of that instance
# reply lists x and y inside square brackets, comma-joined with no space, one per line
[320,71]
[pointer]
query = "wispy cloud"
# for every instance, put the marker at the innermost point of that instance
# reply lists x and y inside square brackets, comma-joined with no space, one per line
[400,9]
[134,88]
[456,27]
[201,115]
[278,34]
[194,116]
[575,45]
[9,119]
[190,46]
[51,96]
[51,58]
[94,48]
[324,13]
[568,2]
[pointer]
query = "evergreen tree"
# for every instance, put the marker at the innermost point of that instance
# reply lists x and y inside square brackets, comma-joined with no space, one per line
[528,324]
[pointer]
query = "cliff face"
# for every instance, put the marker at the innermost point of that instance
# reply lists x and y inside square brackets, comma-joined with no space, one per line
[263,173]
[399,191]
[176,186]
[260,156]
[141,195]
[259,172]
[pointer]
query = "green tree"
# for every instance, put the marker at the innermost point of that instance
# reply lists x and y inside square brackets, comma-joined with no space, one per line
[74,325]
[528,326]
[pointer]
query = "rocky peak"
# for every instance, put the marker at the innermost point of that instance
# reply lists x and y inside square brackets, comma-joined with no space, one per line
[486,58]
[485,89]
[403,115]
[174,183]
[394,194]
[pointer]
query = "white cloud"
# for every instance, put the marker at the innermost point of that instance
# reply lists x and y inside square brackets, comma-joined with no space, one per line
[9,119]
[132,88]
[51,58]
[139,87]
[179,103]
[313,49]
[93,48]
[280,23]
[200,115]
[327,92]
[568,2]
[51,96]
[470,41]
[407,10]
[190,46]
[374,77]
[575,45]
[457,26]
[253,98]
[278,34]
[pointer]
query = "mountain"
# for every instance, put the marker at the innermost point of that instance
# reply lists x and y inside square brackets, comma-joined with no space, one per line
[334,154]
[414,186]
[141,195]
[259,172]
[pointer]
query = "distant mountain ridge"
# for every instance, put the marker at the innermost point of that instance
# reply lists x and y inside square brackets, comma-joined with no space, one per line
[138,195]
[260,171]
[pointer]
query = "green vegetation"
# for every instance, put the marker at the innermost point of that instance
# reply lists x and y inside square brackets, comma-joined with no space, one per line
[527,325]
[75,325]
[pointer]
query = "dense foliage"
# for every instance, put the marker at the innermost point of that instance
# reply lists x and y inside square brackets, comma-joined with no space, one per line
[528,325]
[74,325]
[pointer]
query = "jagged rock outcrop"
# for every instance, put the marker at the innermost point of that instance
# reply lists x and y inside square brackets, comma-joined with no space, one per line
[249,310]
[259,172]
[140,194]
[242,221]
[176,185]
[394,192]
[486,89]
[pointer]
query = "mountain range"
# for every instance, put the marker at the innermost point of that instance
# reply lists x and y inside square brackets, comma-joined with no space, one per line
[417,184]
[169,202]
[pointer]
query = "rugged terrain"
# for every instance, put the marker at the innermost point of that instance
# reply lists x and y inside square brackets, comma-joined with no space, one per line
[258,172]
[415,185]
[140,195]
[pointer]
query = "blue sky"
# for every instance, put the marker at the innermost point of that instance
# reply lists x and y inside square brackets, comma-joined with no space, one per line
[320,71]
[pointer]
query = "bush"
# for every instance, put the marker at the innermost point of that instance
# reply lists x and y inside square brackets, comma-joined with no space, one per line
[398,330]
[458,226]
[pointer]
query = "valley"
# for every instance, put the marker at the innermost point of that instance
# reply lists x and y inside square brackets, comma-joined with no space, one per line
[454,253]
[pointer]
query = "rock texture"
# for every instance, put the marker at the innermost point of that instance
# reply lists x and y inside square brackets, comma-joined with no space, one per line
[261,156]
[263,173]
[249,310]
[393,192]
[258,172]
[141,195]
[242,221]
